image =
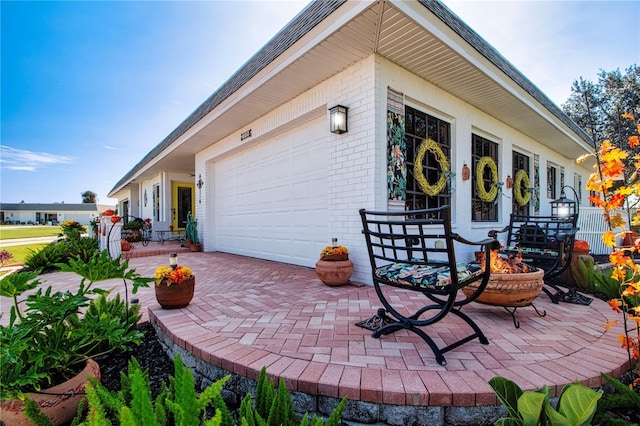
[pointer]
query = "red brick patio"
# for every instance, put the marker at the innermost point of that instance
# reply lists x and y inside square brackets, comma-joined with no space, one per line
[248,313]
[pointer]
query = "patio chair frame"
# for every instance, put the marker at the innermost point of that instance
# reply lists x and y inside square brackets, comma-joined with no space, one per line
[417,241]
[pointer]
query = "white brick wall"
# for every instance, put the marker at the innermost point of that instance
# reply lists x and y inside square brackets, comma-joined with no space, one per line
[357,159]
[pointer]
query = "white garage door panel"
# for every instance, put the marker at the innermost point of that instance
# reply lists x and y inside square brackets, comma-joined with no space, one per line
[271,202]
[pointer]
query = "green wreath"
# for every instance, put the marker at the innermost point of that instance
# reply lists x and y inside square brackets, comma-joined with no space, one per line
[485,196]
[434,148]
[520,183]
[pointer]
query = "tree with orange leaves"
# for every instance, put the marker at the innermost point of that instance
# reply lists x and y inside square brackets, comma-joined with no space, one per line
[615,185]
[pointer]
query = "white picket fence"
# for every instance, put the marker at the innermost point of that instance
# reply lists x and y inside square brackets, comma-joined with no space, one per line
[591,225]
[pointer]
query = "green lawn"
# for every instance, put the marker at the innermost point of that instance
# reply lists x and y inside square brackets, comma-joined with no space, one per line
[8,232]
[20,252]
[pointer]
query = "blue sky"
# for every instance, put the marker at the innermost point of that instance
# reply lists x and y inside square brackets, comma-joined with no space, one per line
[88,88]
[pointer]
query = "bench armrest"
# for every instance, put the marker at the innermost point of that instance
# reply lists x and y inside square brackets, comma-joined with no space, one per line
[494,232]
[489,242]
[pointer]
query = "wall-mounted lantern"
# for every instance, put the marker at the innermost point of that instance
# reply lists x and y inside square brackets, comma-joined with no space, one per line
[564,207]
[338,119]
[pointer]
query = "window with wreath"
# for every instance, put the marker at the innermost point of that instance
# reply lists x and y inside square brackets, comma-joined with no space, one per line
[552,181]
[428,140]
[521,199]
[484,157]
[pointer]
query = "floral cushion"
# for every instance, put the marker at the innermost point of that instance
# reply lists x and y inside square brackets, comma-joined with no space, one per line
[534,250]
[426,277]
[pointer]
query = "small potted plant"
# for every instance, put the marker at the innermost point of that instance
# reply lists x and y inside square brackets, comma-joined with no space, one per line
[191,233]
[174,284]
[135,227]
[334,267]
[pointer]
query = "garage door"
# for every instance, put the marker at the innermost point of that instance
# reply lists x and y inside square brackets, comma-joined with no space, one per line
[270,200]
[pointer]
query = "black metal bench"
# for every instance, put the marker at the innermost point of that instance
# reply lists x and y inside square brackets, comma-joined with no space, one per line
[546,242]
[414,250]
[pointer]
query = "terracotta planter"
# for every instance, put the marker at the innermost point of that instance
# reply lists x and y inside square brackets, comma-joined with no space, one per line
[572,279]
[334,273]
[175,296]
[187,242]
[59,403]
[510,290]
[125,245]
[335,257]
[629,238]
[195,247]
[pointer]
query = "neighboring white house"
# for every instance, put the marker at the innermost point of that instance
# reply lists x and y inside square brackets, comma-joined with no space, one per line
[266,178]
[53,213]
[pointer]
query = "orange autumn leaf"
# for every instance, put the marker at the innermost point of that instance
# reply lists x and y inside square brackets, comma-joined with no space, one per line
[634,142]
[624,341]
[613,168]
[615,305]
[627,115]
[597,201]
[615,202]
[619,274]
[617,221]
[617,257]
[583,158]
[610,324]
[609,238]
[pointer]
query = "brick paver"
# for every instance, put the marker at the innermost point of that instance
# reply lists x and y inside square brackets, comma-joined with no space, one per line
[248,313]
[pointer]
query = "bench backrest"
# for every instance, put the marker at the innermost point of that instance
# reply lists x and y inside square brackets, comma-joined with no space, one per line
[541,232]
[415,236]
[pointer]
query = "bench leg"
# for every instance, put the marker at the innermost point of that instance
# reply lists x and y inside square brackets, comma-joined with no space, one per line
[570,296]
[389,324]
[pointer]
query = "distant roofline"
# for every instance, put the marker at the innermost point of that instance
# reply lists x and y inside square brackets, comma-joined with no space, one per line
[89,207]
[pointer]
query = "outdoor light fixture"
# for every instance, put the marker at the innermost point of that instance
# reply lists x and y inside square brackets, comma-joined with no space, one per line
[173,260]
[334,242]
[338,119]
[564,207]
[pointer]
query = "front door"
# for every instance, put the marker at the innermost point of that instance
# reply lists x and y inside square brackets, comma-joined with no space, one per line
[182,202]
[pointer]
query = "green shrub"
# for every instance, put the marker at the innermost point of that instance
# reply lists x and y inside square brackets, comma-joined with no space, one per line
[595,280]
[576,406]
[47,258]
[60,252]
[624,397]
[180,404]
[72,228]
[50,338]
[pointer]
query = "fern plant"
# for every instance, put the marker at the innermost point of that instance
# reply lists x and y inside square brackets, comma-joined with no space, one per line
[624,397]
[179,404]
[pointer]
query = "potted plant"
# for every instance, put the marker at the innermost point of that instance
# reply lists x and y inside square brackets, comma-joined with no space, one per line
[174,285]
[191,233]
[135,227]
[59,335]
[334,267]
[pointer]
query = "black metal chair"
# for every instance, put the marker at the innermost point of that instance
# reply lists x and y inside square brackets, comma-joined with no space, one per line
[414,250]
[547,243]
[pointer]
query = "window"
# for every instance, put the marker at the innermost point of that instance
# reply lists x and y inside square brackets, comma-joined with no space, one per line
[156,202]
[521,162]
[483,211]
[125,211]
[418,127]
[577,185]
[552,173]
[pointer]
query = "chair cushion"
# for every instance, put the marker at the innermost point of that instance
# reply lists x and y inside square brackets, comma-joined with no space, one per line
[426,277]
[534,251]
